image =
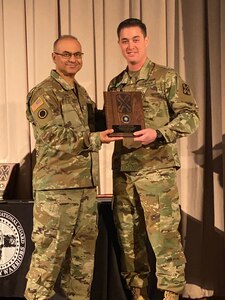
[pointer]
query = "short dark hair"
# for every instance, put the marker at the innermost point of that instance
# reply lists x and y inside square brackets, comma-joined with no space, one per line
[64,37]
[131,22]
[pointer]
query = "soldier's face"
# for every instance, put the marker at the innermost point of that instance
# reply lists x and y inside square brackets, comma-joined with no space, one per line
[133,45]
[67,66]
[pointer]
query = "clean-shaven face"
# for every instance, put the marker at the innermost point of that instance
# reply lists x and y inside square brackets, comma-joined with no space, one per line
[133,45]
[67,66]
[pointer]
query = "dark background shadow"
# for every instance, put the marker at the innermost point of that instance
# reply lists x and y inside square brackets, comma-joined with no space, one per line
[204,243]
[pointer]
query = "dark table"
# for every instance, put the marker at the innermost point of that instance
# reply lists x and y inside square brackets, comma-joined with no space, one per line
[15,246]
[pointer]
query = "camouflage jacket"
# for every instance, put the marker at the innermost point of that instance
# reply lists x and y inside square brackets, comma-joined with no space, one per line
[168,105]
[67,147]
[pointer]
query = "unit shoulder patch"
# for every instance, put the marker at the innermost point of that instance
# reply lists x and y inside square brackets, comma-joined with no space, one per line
[186,89]
[41,111]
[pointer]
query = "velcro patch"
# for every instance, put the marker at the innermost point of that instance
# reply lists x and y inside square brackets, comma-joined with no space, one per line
[42,113]
[37,104]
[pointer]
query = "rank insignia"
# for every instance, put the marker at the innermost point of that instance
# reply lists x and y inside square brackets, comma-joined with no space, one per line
[186,89]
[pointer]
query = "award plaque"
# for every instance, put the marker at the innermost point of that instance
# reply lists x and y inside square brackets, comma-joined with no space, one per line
[8,174]
[124,112]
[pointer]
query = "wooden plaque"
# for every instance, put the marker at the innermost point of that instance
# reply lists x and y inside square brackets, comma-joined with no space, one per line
[8,176]
[124,112]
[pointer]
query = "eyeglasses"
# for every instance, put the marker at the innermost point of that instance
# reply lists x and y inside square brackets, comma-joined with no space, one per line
[68,55]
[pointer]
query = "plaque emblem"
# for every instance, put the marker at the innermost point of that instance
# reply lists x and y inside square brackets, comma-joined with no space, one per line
[124,103]
[4,172]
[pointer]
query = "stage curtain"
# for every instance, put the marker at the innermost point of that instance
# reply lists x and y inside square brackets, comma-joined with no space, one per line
[188,35]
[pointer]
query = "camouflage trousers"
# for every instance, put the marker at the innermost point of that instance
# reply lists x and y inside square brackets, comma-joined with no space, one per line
[64,235]
[146,206]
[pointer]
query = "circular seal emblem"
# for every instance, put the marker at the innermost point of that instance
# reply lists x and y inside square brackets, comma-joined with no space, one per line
[12,244]
[42,113]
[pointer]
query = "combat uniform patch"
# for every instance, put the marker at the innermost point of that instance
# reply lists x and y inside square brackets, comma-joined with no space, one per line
[37,104]
[186,89]
[42,113]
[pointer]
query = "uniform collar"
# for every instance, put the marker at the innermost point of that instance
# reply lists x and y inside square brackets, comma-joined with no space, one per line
[143,74]
[61,81]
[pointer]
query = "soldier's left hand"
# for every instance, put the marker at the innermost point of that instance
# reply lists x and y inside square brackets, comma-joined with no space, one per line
[145,136]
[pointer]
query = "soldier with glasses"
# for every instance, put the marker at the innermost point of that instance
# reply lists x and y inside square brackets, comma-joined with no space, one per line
[64,178]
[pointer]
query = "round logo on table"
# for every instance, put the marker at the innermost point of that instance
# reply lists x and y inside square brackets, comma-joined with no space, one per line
[12,243]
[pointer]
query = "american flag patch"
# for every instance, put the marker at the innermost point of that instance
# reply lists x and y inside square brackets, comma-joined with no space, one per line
[37,104]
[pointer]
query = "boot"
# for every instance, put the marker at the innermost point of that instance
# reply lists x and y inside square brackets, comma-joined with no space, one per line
[168,295]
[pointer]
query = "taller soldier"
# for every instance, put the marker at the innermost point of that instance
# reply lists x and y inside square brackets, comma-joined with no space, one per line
[64,179]
[144,167]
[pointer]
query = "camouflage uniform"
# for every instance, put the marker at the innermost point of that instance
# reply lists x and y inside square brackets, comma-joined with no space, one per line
[64,183]
[144,177]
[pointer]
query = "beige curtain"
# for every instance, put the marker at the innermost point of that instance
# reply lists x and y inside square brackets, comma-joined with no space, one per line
[188,35]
